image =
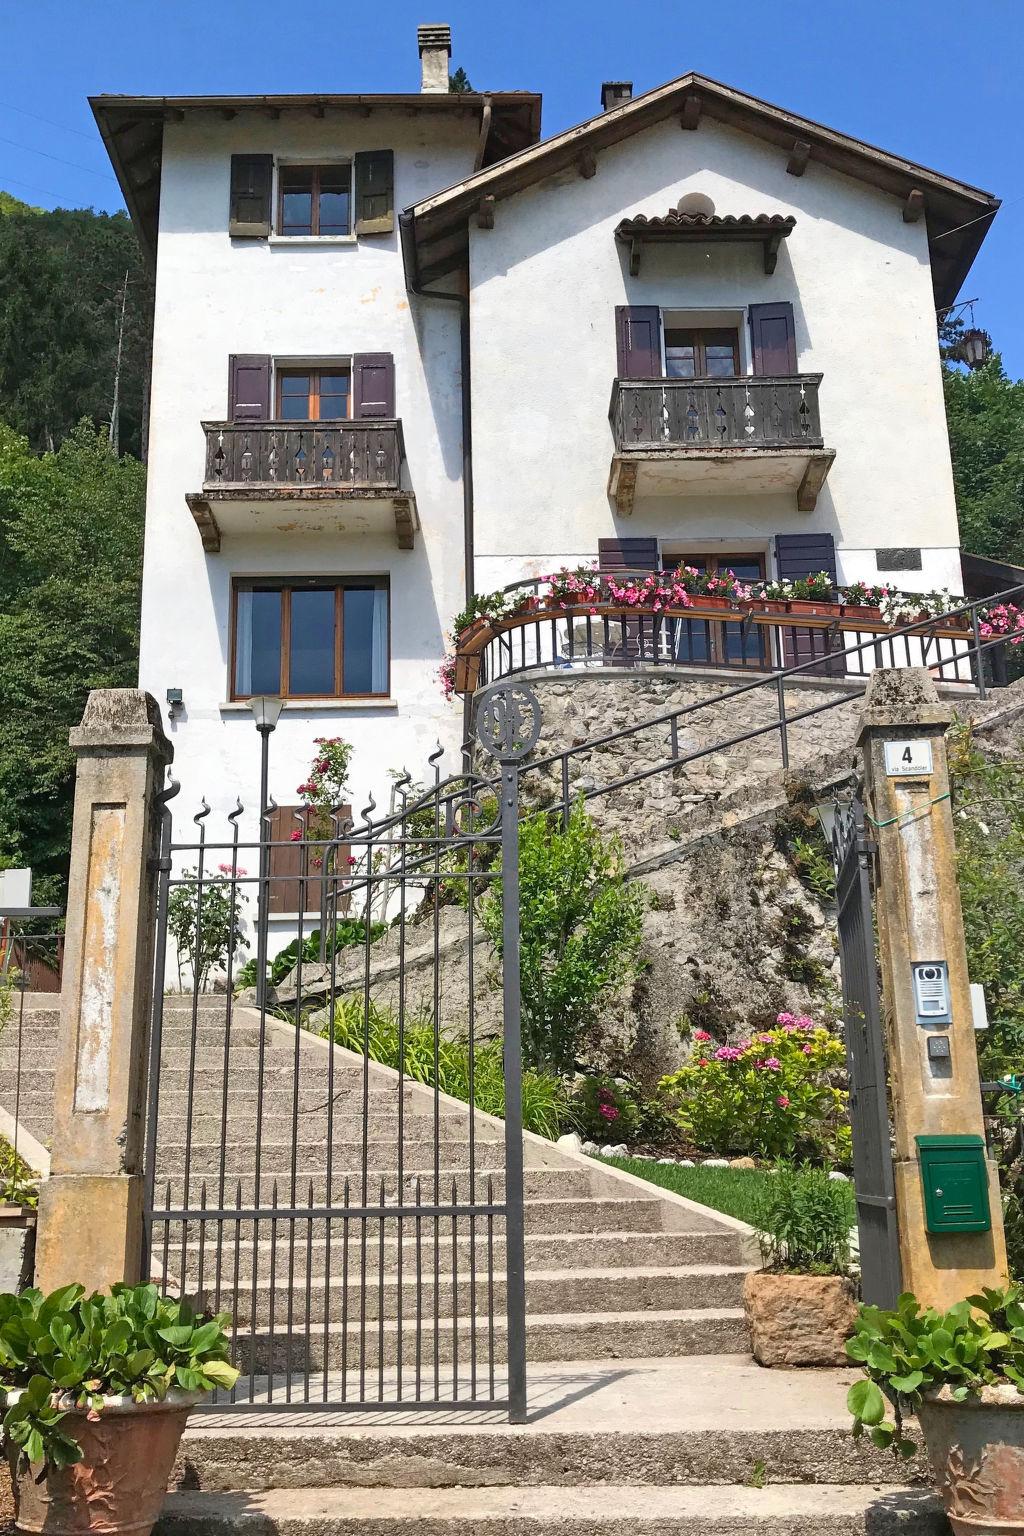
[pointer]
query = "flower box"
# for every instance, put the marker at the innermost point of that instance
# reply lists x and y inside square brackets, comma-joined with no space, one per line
[860,611]
[770,604]
[467,672]
[714,602]
[475,635]
[812,605]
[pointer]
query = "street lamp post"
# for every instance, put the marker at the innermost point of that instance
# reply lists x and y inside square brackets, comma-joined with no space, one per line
[266,711]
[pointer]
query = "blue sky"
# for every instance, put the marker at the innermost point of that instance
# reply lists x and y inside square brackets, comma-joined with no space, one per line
[934,80]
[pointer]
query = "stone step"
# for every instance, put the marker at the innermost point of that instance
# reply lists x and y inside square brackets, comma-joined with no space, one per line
[277,1119]
[605,1510]
[549,1336]
[381,1152]
[549,1291]
[582,1251]
[568,1184]
[278,1073]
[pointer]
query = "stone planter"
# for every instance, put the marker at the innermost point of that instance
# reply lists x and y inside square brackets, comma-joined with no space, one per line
[799,1319]
[976,1449]
[120,1484]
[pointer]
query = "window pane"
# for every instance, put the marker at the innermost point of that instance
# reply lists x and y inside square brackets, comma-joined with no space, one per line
[333,396]
[312,642]
[297,200]
[720,362]
[295,391]
[258,642]
[746,570]
[334,201]
[679,363]
[365,640]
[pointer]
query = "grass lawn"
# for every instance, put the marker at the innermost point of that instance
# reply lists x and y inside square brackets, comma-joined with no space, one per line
[732,1190]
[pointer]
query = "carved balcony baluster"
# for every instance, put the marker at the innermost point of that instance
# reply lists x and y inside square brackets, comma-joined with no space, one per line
[728,413]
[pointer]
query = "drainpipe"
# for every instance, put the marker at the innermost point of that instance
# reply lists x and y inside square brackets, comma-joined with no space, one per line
[414,286]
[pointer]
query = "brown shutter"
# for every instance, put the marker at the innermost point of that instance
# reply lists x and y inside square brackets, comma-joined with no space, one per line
[249,210]
[248,387]
[375,192]
[797,556]
[294,876]
[638,340]
[773,339]
[627,554]
[373,385]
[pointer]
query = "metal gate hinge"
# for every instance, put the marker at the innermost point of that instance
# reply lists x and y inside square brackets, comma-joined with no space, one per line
[158,866]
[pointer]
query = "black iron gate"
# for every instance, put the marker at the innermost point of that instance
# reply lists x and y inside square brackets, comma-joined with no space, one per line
[325,1157]
[865,1054]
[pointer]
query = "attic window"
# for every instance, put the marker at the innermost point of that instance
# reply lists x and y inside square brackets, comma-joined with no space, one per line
[690,228]
[315,200]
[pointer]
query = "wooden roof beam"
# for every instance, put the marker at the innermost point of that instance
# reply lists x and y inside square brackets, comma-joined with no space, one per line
[485,213]
[798,157]
[587,164]
[690,115]
[913,207]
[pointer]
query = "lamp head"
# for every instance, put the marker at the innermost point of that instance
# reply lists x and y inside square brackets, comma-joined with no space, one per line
[266,710]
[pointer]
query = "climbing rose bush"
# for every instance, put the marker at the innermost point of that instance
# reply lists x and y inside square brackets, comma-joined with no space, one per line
[775,1095]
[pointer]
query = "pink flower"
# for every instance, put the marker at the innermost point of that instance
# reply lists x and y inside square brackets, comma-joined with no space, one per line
[703,1062]
[701,1034]
[352,860]
[771,1064]
[808,1050]
[608,1111]
[728,1053]
[765,1039]
[803,1022]
[297,836]
[782,1101]
[784,1018]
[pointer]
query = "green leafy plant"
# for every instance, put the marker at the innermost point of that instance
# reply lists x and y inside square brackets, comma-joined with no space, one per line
[580,930]
[71,1350]
[803,1221]
[604,1110]
[325,788]
[350,931]
[909,1352]
[775,1095]
[205,921]
[447,1063]
[19,1184]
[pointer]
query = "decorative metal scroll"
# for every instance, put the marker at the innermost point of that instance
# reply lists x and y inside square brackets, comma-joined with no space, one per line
[508,725]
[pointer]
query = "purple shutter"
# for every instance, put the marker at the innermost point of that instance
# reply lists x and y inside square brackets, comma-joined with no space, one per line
[798,555]
[248,387]
[373,385]
[638,340]
[375,192]
[249,204]
[773,339]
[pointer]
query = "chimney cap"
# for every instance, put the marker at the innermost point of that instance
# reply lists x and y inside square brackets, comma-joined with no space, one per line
[615,92]
[434,34]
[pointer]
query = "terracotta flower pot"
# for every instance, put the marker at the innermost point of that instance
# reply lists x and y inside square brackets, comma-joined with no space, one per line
[711,600]
[121,1481]
[799,1319]
[811,605]
[770,604]
[976,1449]
[859,611]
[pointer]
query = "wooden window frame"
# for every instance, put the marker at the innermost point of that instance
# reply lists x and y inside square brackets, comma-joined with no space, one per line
[700,337]
[317,170]
[314,374]
[307,584]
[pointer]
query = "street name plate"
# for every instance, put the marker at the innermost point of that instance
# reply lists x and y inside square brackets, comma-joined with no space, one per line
[908,759]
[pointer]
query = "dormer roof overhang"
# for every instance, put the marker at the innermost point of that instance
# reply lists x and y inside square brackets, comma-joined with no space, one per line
[132,129]
[957,215]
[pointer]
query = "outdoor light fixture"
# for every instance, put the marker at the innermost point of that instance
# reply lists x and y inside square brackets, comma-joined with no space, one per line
[266,710]
[974,347]
[175,701]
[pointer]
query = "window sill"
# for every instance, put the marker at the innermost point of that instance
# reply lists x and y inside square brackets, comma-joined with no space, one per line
[311,239]
[320,706]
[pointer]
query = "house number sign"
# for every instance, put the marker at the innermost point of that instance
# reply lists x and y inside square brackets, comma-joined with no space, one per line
[908,759]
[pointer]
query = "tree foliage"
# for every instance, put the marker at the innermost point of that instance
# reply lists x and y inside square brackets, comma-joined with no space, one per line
[70,564]
[62,275]
[985,416]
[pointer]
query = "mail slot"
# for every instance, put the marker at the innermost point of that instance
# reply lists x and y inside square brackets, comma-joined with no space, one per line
[954,1174]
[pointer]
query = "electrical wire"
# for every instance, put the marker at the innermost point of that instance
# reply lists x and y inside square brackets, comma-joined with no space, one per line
[8,106]
[74,164]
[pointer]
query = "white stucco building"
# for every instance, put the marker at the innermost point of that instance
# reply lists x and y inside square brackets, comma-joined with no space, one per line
[402,318]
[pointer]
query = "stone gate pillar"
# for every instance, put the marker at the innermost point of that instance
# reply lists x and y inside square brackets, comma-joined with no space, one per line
[933,1064]
[91,1207]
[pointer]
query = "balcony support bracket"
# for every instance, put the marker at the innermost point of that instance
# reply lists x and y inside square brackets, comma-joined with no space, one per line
[815,475]
[622,485]
[205,521]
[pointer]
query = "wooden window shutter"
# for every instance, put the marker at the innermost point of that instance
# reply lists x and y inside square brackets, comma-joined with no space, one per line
[627,554]
[797,556]
[375,192]
[373,385]
[773,340]
[638,341]
[248,387]
[296,882]
[251,180]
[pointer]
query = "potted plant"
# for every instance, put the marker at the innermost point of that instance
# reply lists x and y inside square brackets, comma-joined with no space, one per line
[773,596]
[962,1373]
[96,1391]
[860,601]
[801,1307]
[812,594]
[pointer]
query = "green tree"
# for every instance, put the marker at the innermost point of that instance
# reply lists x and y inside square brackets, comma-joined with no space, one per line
[62,276]
[580,930]
[459,82]
[985,416]
[70,563]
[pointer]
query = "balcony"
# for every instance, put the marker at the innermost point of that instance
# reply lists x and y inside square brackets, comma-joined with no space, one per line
[291,477]
[717,437]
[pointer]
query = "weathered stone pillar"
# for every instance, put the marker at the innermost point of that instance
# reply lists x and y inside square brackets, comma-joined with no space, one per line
[90,1208]
[933,1063]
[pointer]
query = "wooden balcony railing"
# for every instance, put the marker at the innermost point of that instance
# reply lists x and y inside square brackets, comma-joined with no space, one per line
[673,415]
[344,455]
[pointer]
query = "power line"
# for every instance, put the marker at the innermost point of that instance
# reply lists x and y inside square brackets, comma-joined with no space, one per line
[27,150]
[64,128]
[32,187]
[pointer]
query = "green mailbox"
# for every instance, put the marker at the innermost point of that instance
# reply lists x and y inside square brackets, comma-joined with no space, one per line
[954,1173]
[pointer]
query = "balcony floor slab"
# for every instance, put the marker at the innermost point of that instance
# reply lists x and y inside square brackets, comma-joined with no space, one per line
[239,510]
[735,471]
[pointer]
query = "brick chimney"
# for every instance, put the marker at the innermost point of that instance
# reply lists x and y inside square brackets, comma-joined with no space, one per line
[435,40]
[614,93]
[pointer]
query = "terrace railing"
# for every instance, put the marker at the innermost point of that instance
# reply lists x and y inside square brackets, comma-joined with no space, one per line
[286,455]
[676,414]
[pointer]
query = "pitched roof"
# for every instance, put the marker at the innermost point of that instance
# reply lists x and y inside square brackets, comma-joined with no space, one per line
[132,129]
[435,234]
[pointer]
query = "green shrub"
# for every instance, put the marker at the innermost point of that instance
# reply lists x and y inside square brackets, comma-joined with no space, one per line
[131,1343]
[351,930]
[377,1034]
[803,1221]
[605,1110]
[19,1184]
[775,1095]
[580,930]
[205,922]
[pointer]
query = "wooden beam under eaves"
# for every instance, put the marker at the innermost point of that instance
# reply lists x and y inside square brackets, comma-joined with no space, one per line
[634,258]
[913,207]
[587,164]
[798,158]
[690,115]
[485,213]
[771,252]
